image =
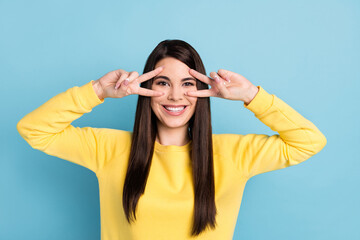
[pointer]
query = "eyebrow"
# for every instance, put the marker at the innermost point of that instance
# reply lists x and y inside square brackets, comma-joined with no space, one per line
[184,79]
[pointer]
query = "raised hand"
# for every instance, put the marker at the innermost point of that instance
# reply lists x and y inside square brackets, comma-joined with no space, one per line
[225,84]
[119,83]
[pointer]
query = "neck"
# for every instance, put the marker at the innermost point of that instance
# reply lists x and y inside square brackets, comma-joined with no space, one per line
[172,136]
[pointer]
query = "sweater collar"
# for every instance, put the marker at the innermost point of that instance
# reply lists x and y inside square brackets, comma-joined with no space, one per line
[172,148]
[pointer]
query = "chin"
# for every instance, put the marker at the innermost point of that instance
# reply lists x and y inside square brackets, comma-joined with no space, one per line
[174,124]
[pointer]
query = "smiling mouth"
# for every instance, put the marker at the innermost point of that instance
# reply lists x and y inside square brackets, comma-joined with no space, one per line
[174,109]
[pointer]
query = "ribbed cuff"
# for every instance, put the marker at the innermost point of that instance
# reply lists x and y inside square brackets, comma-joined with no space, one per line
[261,102]
[90,99]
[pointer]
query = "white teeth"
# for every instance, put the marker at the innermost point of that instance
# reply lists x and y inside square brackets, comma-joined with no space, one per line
[172,109]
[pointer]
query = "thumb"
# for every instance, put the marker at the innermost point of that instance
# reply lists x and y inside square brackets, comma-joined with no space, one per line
[227,75]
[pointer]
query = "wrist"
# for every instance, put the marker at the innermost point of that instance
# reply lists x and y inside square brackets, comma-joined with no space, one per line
[98,89]
[252,93]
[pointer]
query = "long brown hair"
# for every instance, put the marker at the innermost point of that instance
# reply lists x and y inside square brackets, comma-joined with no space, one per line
[200,132]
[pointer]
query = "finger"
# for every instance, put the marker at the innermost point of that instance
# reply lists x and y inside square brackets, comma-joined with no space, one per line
[201,76]
[225,74]
[133,75]
[126,84]
[149,92]
[149,75]
[123,76]
[220,84]
[202,93]
[118,72]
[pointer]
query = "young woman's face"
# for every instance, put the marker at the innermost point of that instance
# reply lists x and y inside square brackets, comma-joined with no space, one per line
[174,109]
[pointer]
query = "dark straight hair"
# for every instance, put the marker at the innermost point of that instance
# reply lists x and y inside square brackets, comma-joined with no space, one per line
[200,132]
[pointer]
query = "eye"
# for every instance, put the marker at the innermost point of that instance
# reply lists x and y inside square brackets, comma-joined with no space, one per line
[188,84]
[161,83]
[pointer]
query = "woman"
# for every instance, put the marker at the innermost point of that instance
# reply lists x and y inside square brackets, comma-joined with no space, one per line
[171,178]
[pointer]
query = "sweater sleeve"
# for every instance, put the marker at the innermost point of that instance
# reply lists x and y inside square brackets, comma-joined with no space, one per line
[48,128]
[297,140]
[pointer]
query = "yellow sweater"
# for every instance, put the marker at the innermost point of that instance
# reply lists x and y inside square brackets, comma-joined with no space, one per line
[165,210]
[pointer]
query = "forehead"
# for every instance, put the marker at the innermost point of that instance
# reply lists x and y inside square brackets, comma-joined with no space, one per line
[173,68]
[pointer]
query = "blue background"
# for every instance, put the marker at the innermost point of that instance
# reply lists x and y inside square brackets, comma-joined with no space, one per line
[304,52]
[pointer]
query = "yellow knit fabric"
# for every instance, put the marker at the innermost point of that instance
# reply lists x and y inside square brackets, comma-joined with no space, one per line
[165,211]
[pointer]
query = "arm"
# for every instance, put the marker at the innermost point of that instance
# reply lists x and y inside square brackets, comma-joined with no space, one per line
[298,138]
[98,90]
[48,128]
[297,141]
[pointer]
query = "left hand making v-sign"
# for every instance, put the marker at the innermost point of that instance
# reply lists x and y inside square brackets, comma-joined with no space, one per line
[225,84]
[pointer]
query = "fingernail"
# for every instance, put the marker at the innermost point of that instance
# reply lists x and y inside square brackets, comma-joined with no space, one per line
[216,77]
[126,82]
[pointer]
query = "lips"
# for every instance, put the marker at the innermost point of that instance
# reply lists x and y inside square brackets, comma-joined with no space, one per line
[174,110]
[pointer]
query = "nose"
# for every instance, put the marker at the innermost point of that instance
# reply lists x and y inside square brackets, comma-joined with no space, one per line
[175,93]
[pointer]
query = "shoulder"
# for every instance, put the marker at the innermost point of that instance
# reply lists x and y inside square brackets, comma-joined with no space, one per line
[226,138]
[112,135]
[115,132]
[229,141]
[108,132]
[226,141]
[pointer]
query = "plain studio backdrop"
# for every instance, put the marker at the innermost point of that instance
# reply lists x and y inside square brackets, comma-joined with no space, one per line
[304,52]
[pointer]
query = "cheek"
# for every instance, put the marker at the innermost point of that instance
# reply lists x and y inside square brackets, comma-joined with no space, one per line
[155,102]
[193,103]
[160,89]
[192,100]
